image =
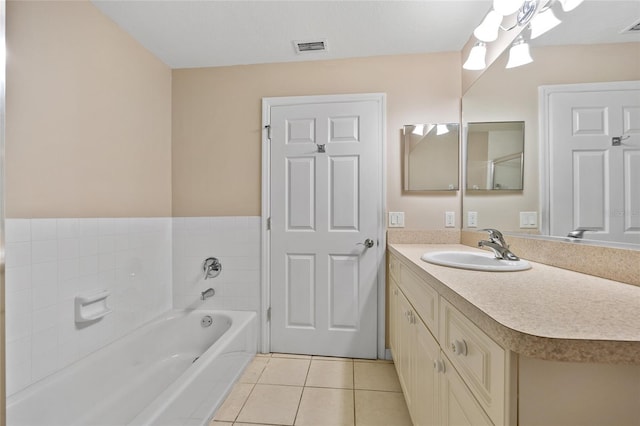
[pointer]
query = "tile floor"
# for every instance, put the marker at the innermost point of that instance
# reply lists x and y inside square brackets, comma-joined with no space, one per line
[281,389]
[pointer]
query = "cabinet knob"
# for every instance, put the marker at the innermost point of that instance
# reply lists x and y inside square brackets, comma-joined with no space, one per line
[438,365]
[459,347]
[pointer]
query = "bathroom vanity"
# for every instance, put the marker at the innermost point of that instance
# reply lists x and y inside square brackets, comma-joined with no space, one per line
[544,346]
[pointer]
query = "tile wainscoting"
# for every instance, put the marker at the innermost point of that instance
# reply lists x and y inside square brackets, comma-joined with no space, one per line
[149,265]
[51,261]
[235,241]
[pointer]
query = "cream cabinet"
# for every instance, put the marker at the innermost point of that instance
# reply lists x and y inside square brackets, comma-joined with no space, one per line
[453,373]
[458,406]
[435,392]
[416,353]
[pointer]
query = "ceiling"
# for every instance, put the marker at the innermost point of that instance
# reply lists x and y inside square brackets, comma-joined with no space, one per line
[208,33]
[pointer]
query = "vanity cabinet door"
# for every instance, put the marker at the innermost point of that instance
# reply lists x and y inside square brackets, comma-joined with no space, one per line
[405,347]
[458,407]
[416,354]
[393,317]
[480,361]
[426,380]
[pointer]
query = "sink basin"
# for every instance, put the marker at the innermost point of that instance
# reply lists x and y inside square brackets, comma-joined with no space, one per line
[475,261]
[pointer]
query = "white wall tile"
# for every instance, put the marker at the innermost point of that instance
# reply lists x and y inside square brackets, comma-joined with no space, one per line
[68,228]
[18,254]
[235,241]
[145,262]
[44,229]
[44,251]
[17,230]
[88,227]
[68,248]
[18,361]
[106,226]
[17,279]
[44,353]
[50,261]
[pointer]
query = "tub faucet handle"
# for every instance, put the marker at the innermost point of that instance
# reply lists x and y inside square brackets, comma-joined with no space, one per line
[211,267]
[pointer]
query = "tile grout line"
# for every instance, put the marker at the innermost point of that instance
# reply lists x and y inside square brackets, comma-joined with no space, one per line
[253,386]
[353,393]
[306,377]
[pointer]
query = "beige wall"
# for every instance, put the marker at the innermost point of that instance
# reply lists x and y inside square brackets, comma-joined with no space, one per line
[88,124]
[512,95]
[217,125]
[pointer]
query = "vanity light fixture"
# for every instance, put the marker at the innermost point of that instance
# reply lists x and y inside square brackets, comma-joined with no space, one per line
[442,129]
[519,53]
[418,129]
[569,5]
[543,22]
[488,29]
[476,60]
[507,7]
[537,13]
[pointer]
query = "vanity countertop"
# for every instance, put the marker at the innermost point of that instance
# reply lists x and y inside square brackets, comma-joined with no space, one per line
[544,312]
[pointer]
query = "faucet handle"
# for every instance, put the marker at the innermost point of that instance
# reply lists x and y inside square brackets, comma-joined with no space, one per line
[211,267]
[496,236]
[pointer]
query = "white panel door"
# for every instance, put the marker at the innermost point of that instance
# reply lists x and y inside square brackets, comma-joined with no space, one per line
[595,182]
[325,194]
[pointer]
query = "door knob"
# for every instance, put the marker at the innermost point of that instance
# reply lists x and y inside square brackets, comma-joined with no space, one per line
[368,243]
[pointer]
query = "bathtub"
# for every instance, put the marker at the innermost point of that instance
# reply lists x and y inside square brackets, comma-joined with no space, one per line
[172,371]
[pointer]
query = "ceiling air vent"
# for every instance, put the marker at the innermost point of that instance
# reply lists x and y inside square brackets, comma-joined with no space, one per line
[310,46]
[633,28]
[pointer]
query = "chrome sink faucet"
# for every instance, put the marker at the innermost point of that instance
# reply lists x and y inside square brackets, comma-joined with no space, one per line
[498,245]
[579,232]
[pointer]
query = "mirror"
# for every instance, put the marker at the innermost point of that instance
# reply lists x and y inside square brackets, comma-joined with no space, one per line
[431,156]
[495,155]
[582,49]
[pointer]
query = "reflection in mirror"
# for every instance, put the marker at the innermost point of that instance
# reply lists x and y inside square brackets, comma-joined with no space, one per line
[495,154]
[512,94]
[431,157]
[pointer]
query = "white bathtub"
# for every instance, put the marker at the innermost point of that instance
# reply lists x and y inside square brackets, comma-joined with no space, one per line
[148,377]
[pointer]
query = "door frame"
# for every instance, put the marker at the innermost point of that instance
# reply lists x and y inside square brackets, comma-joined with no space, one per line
[544,136]
[264,341]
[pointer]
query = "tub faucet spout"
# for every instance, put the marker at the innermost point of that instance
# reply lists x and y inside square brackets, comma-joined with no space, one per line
[208,293]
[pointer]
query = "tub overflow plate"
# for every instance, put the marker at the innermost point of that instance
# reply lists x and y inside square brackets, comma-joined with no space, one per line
[206,321]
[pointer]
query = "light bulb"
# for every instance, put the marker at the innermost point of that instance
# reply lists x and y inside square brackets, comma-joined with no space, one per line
[569,5]
[476,59]
[441,129]
[507,7]
[519,54]
[543,22]
[488,29]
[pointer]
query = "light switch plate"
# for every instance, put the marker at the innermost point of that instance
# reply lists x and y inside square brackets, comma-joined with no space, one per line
[472,219]
[396,219]
[449,219]
[528,219]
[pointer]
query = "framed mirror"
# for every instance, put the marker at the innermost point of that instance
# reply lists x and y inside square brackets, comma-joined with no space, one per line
[495,156]
[431,156]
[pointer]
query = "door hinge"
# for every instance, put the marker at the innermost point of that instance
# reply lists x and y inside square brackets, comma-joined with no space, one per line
[268,224]
[268,127]
[269,314]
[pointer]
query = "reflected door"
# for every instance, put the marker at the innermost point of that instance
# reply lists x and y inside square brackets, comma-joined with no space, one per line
[594,178]
[324,208]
